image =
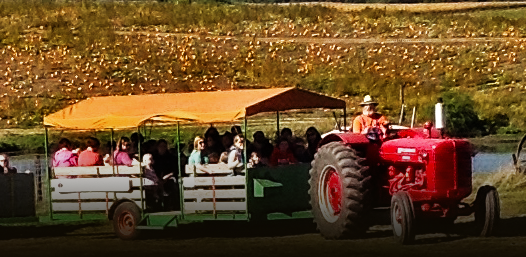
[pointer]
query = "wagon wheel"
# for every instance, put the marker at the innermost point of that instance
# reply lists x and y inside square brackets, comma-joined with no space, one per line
[519,158]
[125,220]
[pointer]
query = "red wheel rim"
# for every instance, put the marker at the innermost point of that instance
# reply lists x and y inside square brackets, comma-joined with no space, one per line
[126,223]
[334,191]
[330,194]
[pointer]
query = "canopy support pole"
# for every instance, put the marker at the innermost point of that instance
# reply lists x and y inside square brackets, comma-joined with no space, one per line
[245,160]
[180,178]
[277,125]
[344,119]
[112,153]
[48,174]
[140,170]
[245,143]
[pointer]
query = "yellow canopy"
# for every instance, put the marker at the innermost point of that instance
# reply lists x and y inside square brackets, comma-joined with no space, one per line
[120,112]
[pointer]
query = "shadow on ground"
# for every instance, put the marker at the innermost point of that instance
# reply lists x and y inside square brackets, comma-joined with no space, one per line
[430,233]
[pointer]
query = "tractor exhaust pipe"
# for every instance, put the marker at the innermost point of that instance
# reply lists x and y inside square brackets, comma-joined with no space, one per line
[440,118]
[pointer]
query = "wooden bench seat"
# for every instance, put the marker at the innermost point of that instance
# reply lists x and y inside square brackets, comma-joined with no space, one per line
[96,170]
[220,169]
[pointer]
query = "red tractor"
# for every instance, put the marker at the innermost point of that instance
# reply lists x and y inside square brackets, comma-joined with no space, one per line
[422,175]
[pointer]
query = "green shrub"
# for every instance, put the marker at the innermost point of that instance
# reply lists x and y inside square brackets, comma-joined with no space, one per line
[461,118]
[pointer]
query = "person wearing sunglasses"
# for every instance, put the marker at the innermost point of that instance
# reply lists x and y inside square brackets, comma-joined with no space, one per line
[197,157]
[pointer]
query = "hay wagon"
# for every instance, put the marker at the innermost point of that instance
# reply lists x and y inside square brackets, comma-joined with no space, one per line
[117,193]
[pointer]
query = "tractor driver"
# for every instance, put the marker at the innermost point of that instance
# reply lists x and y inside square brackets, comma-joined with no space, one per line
[370,123]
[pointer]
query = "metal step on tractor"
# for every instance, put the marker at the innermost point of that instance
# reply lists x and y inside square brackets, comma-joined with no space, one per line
[422,175]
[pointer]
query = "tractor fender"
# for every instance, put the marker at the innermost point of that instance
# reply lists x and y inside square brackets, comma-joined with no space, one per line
[115,205]
[348,138]
[357,142]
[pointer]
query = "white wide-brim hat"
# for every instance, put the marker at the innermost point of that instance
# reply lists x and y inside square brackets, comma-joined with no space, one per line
[367,100]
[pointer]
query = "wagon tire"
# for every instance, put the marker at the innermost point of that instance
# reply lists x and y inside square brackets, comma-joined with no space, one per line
[339,189]
[487,211]
[125,220]
[402,218]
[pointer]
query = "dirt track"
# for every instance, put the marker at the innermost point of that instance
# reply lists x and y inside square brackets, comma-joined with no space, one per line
[277,239]
[332,40]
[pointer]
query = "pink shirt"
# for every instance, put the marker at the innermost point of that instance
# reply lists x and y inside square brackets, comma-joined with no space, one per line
[65,158]
[121,158]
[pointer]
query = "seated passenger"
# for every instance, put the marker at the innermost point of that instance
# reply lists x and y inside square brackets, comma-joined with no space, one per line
[236,130]
[166,166]
[149,146]
[286,133]
[153,185]
[235,156]
[136,138]
[91,156]
[213,158]
[223,158]
[4,164]
[313,140]
[299,150]
[65,157]
[121,156]
[227,140]
[109,147]
[196,157]
[262,146]
[370,122]
[255,161]
[213,145]
[282,154]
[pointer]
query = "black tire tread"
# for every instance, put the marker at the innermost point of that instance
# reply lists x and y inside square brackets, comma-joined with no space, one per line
[408,226]
[356,181]
[487,210]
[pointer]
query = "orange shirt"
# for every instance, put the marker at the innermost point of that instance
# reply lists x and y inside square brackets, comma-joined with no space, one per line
[362,122]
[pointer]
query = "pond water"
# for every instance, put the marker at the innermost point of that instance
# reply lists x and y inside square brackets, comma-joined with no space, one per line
[483,162]
[492,162]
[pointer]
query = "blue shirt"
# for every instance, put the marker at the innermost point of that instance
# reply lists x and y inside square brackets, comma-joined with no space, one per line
[196,158]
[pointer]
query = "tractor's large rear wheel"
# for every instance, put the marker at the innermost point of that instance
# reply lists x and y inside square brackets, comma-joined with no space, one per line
[339,186]
[487,210]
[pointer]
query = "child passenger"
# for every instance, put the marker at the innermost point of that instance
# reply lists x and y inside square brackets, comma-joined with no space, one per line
[235,157]
[153,185]
[121,155]
[65,157]
[282,154]
[90,156]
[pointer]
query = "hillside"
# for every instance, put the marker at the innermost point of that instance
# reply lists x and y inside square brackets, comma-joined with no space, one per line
[55,54]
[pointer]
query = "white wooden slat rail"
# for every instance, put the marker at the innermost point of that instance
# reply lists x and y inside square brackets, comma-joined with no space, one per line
[96,171]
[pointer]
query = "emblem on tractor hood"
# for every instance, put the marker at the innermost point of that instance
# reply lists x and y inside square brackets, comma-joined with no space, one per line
[406,150]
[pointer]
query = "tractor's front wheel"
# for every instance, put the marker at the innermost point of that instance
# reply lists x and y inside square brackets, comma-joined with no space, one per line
[402,218]
[125,220]
[339,185]
[487,210]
